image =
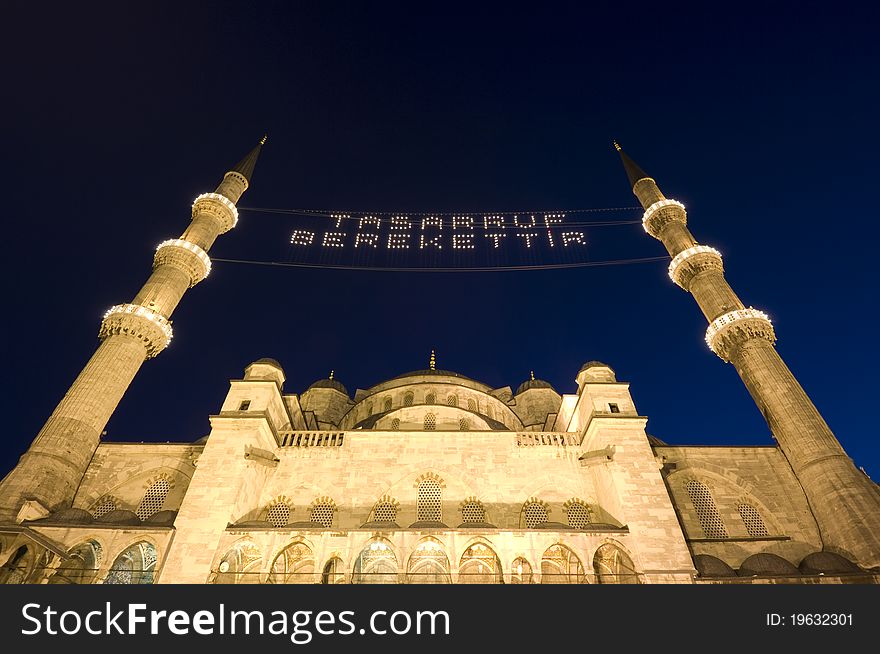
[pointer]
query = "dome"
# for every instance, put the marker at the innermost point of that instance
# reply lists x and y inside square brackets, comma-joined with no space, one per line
[269,362]
[711,566]
[827,563]
[120,517]
[533,383]
[71,516]
[766,565]
[594,364]
[434,373]
[164,518]
[329,383]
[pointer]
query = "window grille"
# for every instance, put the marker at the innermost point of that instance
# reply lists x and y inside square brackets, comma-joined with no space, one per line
[430,398]
[385,512]
[473,512]
[322,514]
[430,422]
[463,424]
[472,405]
[752,519]
[707,512]
[387,405]
[429,507]
[395,424]
[408,399]
[578,516]
[154,498]
[104,507]
[535,514]
[452,400]
[278,514]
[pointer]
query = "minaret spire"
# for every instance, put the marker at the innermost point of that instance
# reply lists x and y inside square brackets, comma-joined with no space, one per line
[845,503]
[49,473]
[633,172]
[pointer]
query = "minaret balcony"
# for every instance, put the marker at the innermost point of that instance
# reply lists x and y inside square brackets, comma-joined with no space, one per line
[218,206]
[660,214]
[186,256]
[689,263]
[731,329]
[145,324]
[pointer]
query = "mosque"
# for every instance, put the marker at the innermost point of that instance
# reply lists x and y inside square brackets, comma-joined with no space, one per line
[432,476]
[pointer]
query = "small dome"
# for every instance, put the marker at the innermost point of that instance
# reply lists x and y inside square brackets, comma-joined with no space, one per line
[269,362]
[476,525]
[595,364]
[380,524]
[428,524]
[532,383]
[827,563]
[120,517]
[766,565]
[71,516]
[710,566]
[306,524]
[163,518]
[329,383]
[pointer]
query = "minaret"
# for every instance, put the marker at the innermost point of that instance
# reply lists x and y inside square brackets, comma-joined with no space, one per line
[845,502]
[48,474]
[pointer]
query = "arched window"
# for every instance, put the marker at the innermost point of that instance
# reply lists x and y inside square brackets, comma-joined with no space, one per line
[479,565]
[429,507]
[322,513]
[428,564]
[154,498]
[81,566]
[278,514]
[18,567]
[104,506]
[369,410]
[385,511]
[613,566]
[333,572]
[240,565]
[752,520]
[386,406]
[430,423]
[408,399]
[521,572]
[134,565]
[472,405]
[578,515]
[473,512]
[707,512]
[395,424]
[295,564]
[463,424]
[560,565]
[376,564]
[430,398]
[452,400]
[534,514]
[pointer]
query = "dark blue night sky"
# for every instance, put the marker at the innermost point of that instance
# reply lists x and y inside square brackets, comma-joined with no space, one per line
[763,121]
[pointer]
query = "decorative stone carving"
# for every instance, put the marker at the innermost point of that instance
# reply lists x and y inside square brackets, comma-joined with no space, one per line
[145,324]
[735,327]
[660,214]
[186,256]
[218,206]
[689,263]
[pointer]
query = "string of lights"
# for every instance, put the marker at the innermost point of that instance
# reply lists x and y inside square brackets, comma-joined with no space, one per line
[555,266]
[354,214]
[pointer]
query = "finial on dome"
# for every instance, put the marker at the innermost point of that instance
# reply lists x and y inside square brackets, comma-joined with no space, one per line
[433,361]
[331,374]
[532,375]
[617,146]
[264,139]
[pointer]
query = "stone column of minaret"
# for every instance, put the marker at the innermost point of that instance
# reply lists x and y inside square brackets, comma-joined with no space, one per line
[845,502]
[48,474]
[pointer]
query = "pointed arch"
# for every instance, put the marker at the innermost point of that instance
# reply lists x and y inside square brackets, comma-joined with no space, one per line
[136,564]
[81,566]
[376,564]
[521,571]
[480,565]
[428,564]
[333,572]
[614,566]
[295,564]
[560,565]
[240,565]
